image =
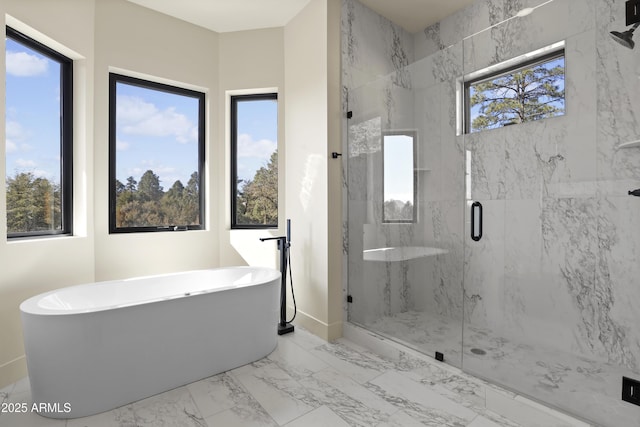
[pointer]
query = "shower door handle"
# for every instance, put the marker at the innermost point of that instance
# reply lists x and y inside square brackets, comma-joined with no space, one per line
[476,221]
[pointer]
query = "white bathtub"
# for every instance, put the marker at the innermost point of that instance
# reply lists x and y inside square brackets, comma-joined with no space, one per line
[94,347]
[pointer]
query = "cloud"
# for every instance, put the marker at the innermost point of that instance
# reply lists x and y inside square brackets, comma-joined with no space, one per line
[22,64]
[122,145]
[132,109]
[25,163]
[167,174]
[14,130]
[138,117]
[14,134]
[10,146]
[262,148]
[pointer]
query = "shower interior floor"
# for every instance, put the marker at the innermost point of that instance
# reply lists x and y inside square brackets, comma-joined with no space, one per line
[569,382]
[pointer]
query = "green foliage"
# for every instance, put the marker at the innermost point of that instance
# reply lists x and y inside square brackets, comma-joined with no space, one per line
[146,204]
[529,94]
[149,188]
[257,199]
[33,204]
[396,210]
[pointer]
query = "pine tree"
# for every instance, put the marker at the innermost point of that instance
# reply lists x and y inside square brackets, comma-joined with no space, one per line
[526,95]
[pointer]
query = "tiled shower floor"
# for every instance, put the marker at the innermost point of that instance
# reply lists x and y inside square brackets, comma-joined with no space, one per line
[588,387]
[305,382]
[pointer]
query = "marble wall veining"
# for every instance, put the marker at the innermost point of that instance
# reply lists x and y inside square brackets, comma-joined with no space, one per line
[551,291]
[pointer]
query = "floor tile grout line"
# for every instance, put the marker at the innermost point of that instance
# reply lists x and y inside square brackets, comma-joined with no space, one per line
[302,415]
[248,392]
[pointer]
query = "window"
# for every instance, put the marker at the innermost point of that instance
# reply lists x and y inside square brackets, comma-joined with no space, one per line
[524,90]
[399,176]
[38,136]
[254,161]
[156,156]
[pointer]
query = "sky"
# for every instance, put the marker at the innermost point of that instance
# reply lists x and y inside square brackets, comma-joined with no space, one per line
[398,168]
[155,130]
[32,113]
[257,135]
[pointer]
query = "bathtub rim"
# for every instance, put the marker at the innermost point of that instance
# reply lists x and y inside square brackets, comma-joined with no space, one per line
[31,306]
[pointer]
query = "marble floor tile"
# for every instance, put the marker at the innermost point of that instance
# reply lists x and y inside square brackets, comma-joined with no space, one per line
[29,419]
[320,417]
[224,393]
[22,386]
[401,419]
[284,398]
[305,339]
[420,401]
[241,417]
[119,417]
[169,409]
[23,416]
[306,382]
[357,365]
[481,421]
[353,411]
[296,360]
[359,393]
[4,391]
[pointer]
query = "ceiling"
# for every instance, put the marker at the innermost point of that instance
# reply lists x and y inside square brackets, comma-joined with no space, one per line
[237,15]
[415,15]
[223,16]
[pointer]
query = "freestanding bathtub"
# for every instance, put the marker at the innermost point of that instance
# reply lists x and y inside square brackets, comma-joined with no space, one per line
[94,347]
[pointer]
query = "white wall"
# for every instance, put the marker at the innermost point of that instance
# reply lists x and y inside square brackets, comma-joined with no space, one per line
[130,37]
[250,62]
[311,121]
[34,266]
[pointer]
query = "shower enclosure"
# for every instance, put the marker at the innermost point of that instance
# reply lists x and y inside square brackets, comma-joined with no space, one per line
[508,252]
[406,206]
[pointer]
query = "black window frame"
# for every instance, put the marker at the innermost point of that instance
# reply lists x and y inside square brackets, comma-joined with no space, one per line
[530,63]
[114,79]
[414,137]
[234,158]
[66,135]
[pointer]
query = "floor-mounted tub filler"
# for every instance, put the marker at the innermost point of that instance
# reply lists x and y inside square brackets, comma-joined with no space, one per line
[94,347]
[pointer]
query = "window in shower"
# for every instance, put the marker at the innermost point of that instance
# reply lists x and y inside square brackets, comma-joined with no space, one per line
[254,161]
[399,176]
[156,156]
[38,136]
[524,89]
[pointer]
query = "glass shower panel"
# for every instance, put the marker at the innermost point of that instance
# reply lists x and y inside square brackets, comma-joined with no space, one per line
[405,172]
[543,313]
[517,308]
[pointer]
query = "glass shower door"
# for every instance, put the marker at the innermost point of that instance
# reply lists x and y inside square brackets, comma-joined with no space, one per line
[405,173]
[546,286]
[518,313]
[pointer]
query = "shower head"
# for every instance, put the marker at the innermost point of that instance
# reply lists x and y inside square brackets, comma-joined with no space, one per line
[625,38]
